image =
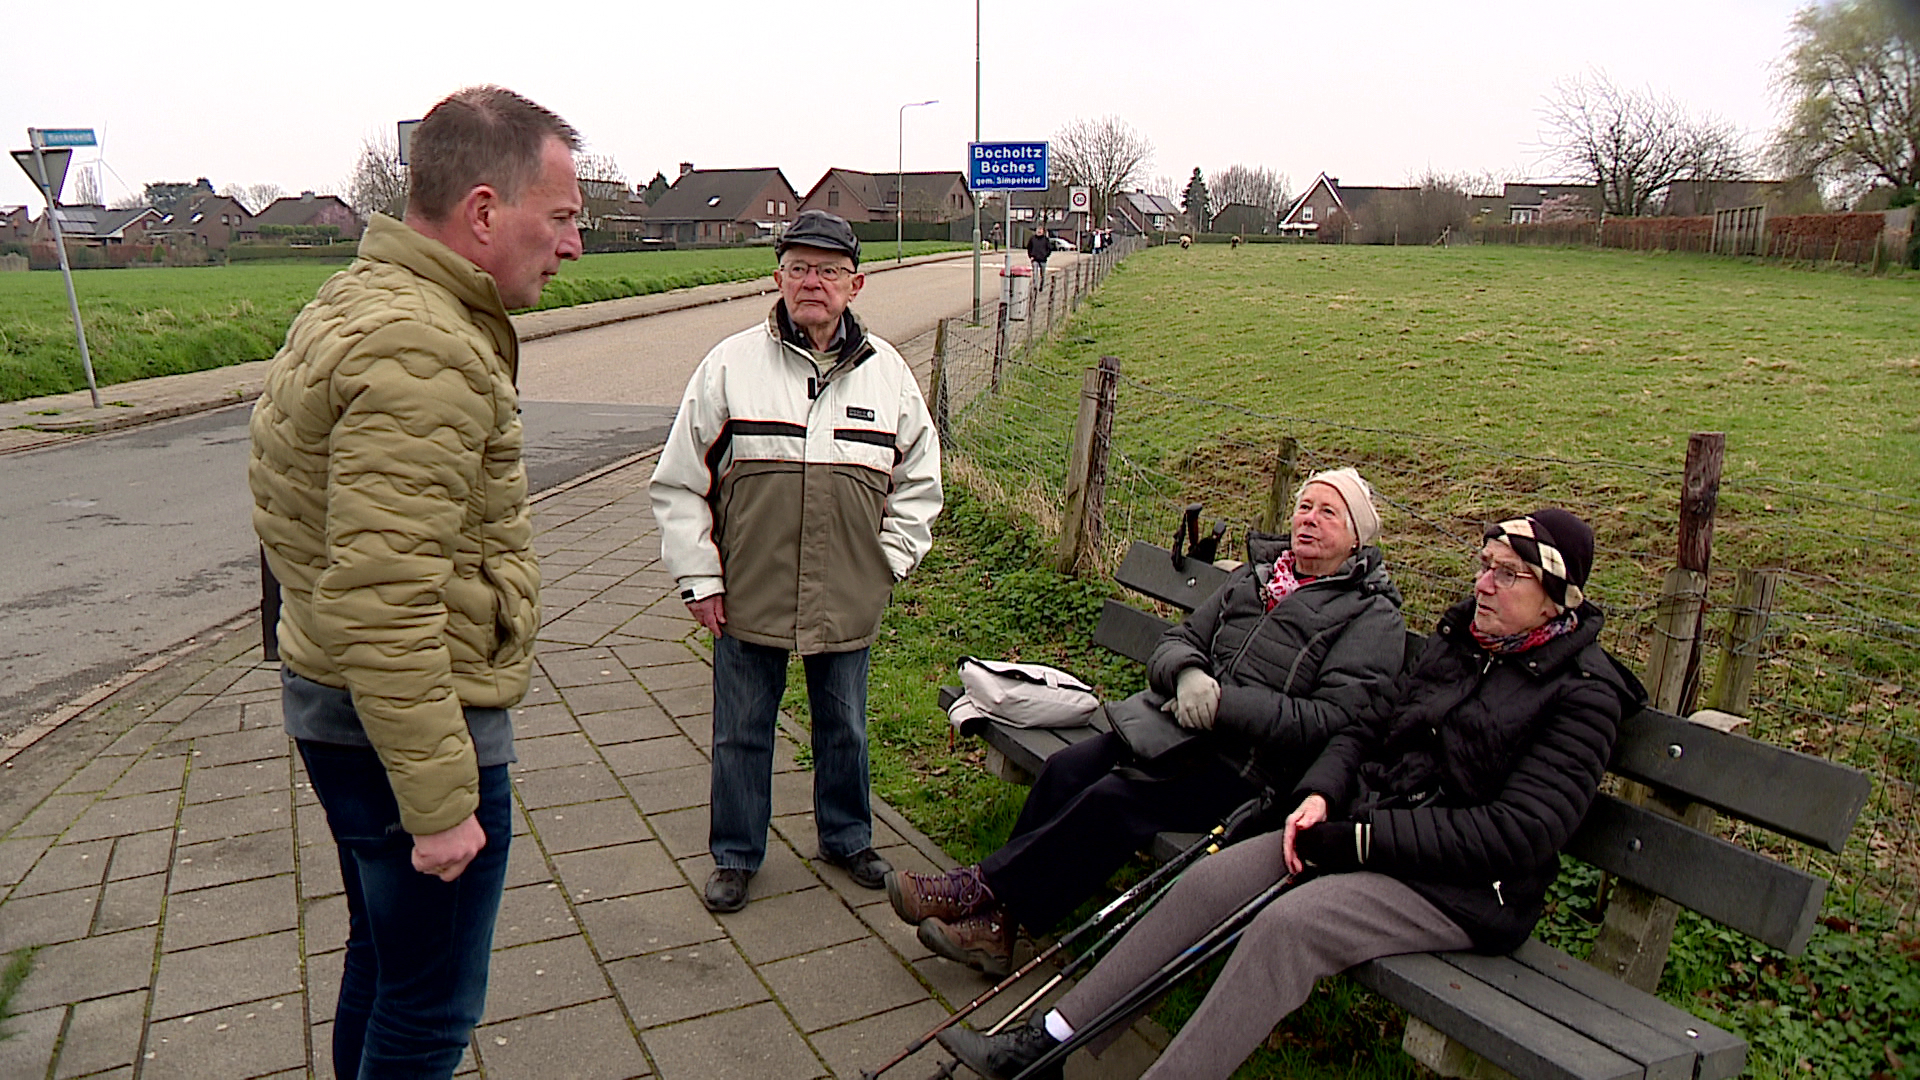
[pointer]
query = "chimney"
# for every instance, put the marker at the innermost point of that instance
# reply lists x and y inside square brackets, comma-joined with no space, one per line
[306,196]
[686,167]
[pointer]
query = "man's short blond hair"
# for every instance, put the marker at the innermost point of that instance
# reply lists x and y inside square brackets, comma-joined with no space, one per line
[480,135]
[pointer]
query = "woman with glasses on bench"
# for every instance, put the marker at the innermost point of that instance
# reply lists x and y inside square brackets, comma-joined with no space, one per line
[1433,824]
[1285,654]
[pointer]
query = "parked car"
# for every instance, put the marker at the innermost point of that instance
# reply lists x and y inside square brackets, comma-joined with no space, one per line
[1062,245]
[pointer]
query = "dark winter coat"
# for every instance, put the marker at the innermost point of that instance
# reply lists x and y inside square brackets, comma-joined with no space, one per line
[1039,247]
[1479,773]
[1292,677]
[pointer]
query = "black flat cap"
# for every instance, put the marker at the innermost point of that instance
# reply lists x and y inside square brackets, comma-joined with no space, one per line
[819,229]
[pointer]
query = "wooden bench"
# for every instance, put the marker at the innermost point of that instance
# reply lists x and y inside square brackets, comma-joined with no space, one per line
[1540,1014]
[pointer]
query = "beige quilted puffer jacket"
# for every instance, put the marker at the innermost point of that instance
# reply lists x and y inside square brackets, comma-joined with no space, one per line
[389,493]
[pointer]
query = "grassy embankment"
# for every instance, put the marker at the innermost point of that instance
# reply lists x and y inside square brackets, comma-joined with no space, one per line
[1577,354]
[147,322]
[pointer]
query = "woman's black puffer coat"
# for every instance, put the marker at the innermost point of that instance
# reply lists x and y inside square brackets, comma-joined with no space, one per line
[1475,779]
[1292,677]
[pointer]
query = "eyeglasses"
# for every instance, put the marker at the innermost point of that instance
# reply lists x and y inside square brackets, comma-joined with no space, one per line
[1503,577]
[829,274]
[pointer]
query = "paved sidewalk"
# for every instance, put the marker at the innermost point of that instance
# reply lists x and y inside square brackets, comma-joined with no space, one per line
[164,851]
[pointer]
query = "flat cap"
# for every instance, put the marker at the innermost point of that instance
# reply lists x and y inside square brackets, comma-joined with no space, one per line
[819,229]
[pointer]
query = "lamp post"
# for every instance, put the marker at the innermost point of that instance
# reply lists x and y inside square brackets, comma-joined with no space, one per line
[900,180]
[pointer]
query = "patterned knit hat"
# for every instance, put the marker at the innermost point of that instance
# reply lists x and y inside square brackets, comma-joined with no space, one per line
[1355,492]
[1555,543]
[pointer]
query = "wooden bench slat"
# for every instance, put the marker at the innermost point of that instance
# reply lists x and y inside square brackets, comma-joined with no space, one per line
[1810,799]
[1751,893]
[1129,631]
[1721,1054]
[1659,1055]
[1489,1023]
[1148,570]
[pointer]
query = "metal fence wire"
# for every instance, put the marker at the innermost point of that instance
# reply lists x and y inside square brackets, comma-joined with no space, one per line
[1837,656]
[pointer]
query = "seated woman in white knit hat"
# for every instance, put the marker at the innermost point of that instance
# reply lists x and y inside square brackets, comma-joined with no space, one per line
[1295,645]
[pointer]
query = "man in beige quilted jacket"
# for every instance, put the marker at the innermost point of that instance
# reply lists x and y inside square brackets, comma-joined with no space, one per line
[391,500]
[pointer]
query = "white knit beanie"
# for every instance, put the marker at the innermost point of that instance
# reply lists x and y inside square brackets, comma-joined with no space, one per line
[1355,492]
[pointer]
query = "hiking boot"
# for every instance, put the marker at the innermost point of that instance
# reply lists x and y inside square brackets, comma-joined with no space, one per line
[726,889]
[867,869]
[1003,1056]
[983,942]
[953,895]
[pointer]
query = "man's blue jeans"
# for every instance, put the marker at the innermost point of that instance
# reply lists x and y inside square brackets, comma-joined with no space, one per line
[415,981]
[747,683]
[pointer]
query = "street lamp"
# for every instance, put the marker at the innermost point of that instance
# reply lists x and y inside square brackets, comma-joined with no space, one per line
[900,180]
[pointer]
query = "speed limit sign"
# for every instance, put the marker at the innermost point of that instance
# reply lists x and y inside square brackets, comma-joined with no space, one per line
[1079,199]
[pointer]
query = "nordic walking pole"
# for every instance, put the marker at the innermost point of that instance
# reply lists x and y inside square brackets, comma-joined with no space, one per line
[1209,843]
[1215,942]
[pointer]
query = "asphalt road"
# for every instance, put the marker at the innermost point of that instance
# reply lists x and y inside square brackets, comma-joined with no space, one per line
[122,546]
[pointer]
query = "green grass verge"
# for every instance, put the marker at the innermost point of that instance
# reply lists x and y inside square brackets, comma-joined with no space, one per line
[19,965]
[148,322]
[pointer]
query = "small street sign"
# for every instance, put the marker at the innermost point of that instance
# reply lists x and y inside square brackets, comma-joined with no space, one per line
[50,137]
[1007,166]
[57,162]
[1080,199]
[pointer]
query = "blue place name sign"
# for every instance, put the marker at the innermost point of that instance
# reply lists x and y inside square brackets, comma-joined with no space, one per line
[1007,166]
[48,137]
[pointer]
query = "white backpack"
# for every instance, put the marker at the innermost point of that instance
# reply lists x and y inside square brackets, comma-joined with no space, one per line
[1022,695]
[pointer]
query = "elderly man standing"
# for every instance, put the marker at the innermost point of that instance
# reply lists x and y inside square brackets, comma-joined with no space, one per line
[391,500]
[800,481]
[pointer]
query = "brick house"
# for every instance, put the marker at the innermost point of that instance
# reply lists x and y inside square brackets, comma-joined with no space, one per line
[92,225]
[16,225]
[1524,200]
[306,209]
[863,196]
[210,221]
[723,206]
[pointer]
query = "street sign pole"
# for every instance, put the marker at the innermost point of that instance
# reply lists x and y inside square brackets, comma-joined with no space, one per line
[37,138]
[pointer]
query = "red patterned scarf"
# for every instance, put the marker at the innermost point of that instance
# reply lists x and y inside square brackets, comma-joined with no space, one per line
[1283,582]
[1560,624]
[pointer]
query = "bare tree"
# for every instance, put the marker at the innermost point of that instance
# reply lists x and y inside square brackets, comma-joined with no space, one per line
[86,185]
[255,197]
[378,182]
[590,166]
[1851,82]
[1254,185]
[1633,144]
[1105,154]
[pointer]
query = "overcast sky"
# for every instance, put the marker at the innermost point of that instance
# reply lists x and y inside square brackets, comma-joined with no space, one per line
[1371,92]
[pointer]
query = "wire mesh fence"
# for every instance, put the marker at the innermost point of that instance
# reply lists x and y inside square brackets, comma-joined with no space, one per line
[1835,663]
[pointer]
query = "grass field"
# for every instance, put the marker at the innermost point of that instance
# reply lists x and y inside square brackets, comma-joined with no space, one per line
[147,322]
[1451,377]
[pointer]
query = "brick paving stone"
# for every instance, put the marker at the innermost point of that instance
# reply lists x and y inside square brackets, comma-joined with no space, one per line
[526,863]
[177,709]
[686,701]
[553,751]
[679,984]
[647,922]
[605,697]
[549,719]
[580,667]
[660,628]
[103,1034]
[698,727]
[95,775]
[29,1050]
[232,781]
[237,817]
[230,912]
[532,913]
[558,600]
[676,676]
[323,923]
[121,817]
[241,746]
[216,718]
[320,870]
[263,716]
[671,789]
[18,856]
[217,976]
[585,825]
[140,738]
[157,772]
[627,725]
[593,577]
[129,903]
[683,831]
[872,1043]
[585,1042]
[654,755]
[782,872]
[258,679]
[604,611]
[219,862]
[323,983]
[653,653]
[571,631]
[754,1043]
[243,1040]
[958,984]
[792,792]
[67,866]
[88,968]
[141,854]
[589,782]
[842,983]
[791,924]
[541,977]
[901,937]
[47,918]
[53,815]
[622,870]
[310,824]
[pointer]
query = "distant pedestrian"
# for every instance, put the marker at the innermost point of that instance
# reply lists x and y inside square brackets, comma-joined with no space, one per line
[389,494]
[799,483]
[1039,246]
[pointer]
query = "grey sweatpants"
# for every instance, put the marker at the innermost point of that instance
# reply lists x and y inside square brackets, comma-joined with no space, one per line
[1320,928]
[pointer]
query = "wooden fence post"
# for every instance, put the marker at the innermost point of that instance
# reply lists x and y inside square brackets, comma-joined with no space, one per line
[1000,344]
[1740,649]
[938,377]
[1087,473]
[1637,930]
[1286,473]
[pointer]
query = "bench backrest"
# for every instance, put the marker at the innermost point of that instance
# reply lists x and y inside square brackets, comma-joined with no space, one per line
[1798,796]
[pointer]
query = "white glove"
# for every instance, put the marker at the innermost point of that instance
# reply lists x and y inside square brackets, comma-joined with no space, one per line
[1196,698]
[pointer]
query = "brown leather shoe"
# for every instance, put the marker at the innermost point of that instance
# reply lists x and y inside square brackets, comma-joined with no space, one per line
[983,942]
[953,895]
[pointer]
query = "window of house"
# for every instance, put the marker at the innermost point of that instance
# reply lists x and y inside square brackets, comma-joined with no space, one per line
[1306,213]
[713,201]
[769,207]
[783,208]
[833,199]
